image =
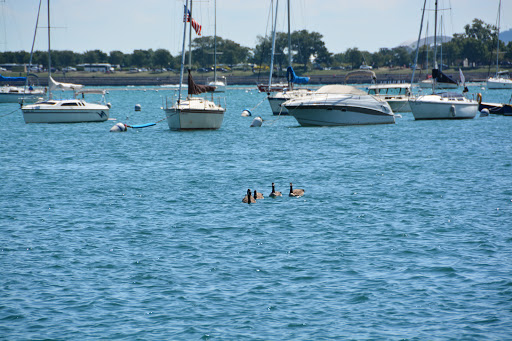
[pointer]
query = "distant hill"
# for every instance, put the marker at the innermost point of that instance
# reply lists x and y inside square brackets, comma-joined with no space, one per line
[506,36]
[411,44]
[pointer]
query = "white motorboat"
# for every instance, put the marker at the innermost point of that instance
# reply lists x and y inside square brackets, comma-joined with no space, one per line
[397,95]
[447,105]
[339,105]
[67,110]
[193,113]
[502,78]
[16,94]
[500,81]
[278,98]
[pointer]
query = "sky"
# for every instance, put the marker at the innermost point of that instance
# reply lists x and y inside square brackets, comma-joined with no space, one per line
[126,25]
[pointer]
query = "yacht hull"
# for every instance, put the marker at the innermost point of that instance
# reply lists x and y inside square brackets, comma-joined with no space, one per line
[339,116]
[185,119]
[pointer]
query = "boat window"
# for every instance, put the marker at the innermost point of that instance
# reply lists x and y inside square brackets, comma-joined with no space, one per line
[69,105]
[451,95]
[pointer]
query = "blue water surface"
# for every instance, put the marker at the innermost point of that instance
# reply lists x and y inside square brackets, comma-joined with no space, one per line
[404,231]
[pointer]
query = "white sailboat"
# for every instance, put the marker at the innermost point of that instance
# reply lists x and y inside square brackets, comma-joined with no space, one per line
[64,111]
[441,105]
[193,113]
[17,94]
[501,79]
[219,82]
[276,99]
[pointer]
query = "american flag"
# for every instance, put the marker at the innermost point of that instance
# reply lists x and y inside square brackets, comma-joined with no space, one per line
[195,24]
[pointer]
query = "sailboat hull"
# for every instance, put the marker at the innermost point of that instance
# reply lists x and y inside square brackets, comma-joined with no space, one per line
[194,119]
[275,105]
[19,97]
[499,83]
[39,114]
[435,107]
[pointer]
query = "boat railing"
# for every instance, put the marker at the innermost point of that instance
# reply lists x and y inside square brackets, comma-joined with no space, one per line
[171,100]
[102,92]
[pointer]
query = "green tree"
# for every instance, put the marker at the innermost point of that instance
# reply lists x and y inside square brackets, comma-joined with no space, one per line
[354,57]
[141,58]
[95,56]
[116,58]
[309,45]
[162,58]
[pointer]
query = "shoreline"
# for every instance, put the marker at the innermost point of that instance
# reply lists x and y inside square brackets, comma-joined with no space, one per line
[159,80]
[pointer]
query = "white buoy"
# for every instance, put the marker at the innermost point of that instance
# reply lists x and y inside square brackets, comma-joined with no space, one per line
[118,127]
[484,112]
[246,113]
[257,122]
[138,107]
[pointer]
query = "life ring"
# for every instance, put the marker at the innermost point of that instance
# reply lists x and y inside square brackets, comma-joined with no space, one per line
[479,98]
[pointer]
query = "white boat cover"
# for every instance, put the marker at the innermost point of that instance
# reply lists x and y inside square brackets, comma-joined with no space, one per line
[63,86]
[340,89]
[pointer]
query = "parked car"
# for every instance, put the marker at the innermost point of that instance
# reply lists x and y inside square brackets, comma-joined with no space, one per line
[366,67]
[69,69]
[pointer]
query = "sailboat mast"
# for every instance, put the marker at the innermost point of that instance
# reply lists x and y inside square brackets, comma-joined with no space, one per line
[215,43]
[498,47]
[272,51]
[418,43]
[49,55]
[183,49]
[435,38]
[289,38]
[428,47]
[441,45]
[190,40]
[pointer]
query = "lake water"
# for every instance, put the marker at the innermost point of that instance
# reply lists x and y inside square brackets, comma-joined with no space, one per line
[404,231]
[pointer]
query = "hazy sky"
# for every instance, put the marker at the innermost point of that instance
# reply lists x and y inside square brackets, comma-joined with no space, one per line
[125,25]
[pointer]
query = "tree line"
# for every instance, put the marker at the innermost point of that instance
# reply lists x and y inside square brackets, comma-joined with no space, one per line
[477,44]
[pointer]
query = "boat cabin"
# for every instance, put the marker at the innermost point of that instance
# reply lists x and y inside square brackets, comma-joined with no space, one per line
[403,89]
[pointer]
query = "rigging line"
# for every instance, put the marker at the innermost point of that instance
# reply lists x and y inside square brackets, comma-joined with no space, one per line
[263,41]
[10,113]
[278,116]
[257,105]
